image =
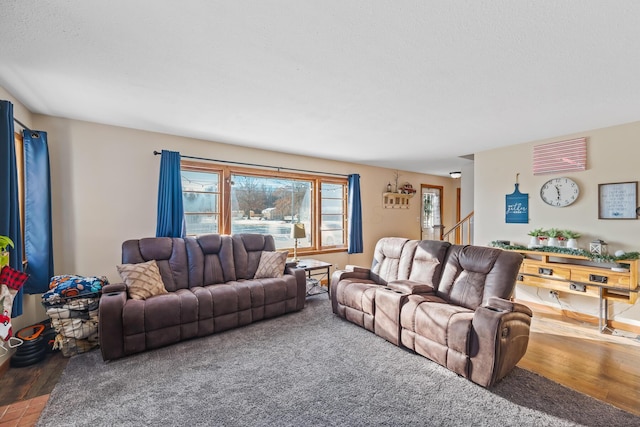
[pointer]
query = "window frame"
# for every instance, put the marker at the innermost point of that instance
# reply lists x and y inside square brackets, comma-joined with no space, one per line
[217,213]
[19,148]
[224,218]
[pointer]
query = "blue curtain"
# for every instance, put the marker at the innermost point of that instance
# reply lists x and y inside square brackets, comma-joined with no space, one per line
[355,215]
[170,211]
[9,202]
[38,242]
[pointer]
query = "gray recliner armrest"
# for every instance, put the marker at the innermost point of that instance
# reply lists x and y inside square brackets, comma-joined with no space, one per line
[301,281]
[411,287]
[350,273]
[357,269]
[499,339]
[110,327]
[114,287]
[500,304]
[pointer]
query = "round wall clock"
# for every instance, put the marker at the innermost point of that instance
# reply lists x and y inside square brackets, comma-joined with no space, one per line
[559,192]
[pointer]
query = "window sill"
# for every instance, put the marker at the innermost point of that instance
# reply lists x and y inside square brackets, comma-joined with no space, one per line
[319,252]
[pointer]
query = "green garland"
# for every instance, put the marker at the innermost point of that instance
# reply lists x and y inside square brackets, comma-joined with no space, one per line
[569,251]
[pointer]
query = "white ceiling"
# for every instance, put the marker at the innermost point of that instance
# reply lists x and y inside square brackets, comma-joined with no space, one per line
[409,85]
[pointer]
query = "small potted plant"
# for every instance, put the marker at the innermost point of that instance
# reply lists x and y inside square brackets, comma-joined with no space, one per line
[535,234]
[572,238]
[4,253]
[553,234]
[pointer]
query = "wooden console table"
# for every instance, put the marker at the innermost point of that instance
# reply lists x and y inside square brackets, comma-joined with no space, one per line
[579,275]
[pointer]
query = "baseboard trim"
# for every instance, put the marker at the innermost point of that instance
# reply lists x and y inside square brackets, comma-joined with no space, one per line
[586,318]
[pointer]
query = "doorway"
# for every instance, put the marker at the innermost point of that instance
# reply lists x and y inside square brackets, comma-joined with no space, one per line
[431,212]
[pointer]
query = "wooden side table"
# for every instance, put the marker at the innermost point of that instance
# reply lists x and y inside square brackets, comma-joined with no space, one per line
[317,271]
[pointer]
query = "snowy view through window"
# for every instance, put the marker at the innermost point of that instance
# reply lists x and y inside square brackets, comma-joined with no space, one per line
[265,205]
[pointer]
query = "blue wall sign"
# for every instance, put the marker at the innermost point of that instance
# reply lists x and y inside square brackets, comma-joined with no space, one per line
[517,207]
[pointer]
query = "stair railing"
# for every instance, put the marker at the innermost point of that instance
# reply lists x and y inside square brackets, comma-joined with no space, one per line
[462,232]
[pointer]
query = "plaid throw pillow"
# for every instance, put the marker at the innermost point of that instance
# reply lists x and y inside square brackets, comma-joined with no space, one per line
[13,278]
[271,265]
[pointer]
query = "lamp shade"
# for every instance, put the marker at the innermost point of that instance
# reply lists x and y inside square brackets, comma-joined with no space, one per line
[297,231]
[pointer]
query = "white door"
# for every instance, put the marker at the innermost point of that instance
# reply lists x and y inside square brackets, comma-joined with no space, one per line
[431,212]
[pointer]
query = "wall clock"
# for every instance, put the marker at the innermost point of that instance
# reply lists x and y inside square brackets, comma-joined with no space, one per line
[559,192]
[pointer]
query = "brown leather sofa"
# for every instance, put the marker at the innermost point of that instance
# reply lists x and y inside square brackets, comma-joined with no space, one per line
[210,287]
[449,303]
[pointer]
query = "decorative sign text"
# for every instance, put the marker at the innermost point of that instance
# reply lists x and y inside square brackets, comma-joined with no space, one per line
[517,207]
[617,200]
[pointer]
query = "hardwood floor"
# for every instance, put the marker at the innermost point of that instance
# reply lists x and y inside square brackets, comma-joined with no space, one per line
[573,353]
[24,391]
[19,384]
[563,349]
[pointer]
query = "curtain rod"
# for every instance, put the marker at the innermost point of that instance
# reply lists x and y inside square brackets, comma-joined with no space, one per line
[155,153]
[25,128]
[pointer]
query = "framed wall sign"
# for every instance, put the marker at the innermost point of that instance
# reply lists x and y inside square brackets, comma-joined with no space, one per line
[517,207]
[618,200]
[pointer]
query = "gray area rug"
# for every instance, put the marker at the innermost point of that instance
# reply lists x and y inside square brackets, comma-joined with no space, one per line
[303,369]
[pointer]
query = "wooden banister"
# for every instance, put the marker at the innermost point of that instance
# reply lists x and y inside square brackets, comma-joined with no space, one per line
[462,232]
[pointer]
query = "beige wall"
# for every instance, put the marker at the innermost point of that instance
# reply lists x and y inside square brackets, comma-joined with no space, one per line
[612,156]
[105,178]
[104,191]
[467,184]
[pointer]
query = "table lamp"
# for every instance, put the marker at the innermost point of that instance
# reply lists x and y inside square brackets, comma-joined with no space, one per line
[297,232]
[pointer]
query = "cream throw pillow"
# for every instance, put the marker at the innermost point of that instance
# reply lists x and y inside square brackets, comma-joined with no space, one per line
[271,265]
[143,280]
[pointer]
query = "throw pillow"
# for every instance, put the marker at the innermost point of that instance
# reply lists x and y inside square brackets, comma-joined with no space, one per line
[271,265]
[143,280]
[13,278]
